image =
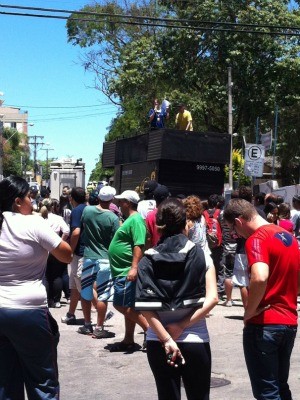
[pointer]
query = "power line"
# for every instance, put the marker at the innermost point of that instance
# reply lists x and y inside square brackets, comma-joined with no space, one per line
[169,22]
[144,17]
[33,116]
[195,28]
[59,107]
[68,118]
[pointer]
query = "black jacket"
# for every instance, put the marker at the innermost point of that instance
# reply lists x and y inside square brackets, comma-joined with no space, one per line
[171,276]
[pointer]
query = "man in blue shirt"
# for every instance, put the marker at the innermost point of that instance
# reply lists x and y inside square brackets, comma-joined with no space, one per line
[157,116]
[77,199]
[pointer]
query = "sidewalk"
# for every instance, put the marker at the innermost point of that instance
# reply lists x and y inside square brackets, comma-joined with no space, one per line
[89,371]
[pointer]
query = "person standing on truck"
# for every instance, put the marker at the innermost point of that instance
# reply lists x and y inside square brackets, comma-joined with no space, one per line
[184,120]
[157,116]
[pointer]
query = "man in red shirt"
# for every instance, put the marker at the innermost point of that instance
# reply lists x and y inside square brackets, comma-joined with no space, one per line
[160,194]
[271,312]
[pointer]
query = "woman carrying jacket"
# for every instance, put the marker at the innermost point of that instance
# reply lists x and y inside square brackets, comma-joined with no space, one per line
[176,289]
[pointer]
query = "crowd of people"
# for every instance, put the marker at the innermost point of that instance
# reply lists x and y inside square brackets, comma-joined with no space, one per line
[164,262]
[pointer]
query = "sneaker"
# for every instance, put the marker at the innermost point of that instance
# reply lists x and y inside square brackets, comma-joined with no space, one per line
[57,305]
[100,333]
[109,315]
[85,330]
[69,319]
[228,303]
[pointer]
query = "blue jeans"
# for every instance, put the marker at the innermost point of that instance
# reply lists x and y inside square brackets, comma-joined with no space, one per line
[268,350]
[28,354]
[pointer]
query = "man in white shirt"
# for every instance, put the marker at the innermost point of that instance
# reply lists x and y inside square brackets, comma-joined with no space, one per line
[148,204]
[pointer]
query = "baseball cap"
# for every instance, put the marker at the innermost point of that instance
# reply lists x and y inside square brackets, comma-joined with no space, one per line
[129,195]
[150,186]
[107,193]
[161,193]
[296,197]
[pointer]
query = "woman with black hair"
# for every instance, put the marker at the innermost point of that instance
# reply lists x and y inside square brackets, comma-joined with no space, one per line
[271,211]
[176,289]
[28,333]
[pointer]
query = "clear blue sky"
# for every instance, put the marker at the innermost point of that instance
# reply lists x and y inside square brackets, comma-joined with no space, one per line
[39,68]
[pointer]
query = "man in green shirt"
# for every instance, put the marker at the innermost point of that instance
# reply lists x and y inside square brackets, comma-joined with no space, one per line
[125,252]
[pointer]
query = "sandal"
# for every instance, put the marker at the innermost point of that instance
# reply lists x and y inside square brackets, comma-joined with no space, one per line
[122,347]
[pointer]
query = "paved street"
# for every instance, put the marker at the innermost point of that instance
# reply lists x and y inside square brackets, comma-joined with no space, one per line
[89,371]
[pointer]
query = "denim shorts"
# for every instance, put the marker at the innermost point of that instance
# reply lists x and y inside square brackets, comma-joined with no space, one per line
[124,292]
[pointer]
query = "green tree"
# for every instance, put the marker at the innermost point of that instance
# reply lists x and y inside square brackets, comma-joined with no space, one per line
[99,173]
[16,152]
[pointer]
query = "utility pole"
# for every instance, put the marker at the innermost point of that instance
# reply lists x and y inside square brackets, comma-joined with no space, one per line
[275,141]
[47,164]
[35,144]
[230,84]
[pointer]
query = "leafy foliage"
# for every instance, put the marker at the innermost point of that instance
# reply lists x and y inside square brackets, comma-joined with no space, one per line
[99,173]
[16,154]
[238,163]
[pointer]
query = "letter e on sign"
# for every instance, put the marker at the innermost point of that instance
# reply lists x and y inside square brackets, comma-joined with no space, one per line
[254,153]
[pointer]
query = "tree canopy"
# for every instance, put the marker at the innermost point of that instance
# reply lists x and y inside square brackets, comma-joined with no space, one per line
[181,50]
[15,152]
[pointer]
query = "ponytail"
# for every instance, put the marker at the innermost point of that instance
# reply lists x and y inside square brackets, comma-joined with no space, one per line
[44,212]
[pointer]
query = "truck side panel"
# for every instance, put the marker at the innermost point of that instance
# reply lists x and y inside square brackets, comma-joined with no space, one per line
[181,177]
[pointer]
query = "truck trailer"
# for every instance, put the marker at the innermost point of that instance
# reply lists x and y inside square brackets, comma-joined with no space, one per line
[186,162]
[66,172]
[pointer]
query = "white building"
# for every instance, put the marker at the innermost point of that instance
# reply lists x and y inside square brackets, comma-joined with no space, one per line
[13,117]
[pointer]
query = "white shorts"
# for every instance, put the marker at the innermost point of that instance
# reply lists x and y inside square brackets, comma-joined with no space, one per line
[240,275]
[74,279]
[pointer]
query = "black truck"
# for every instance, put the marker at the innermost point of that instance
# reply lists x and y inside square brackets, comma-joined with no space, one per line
[186,162]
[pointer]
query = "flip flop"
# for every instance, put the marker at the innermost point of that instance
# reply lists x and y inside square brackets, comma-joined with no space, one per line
[122,347]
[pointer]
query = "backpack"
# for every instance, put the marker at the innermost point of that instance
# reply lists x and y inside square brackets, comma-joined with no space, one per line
[213,228]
